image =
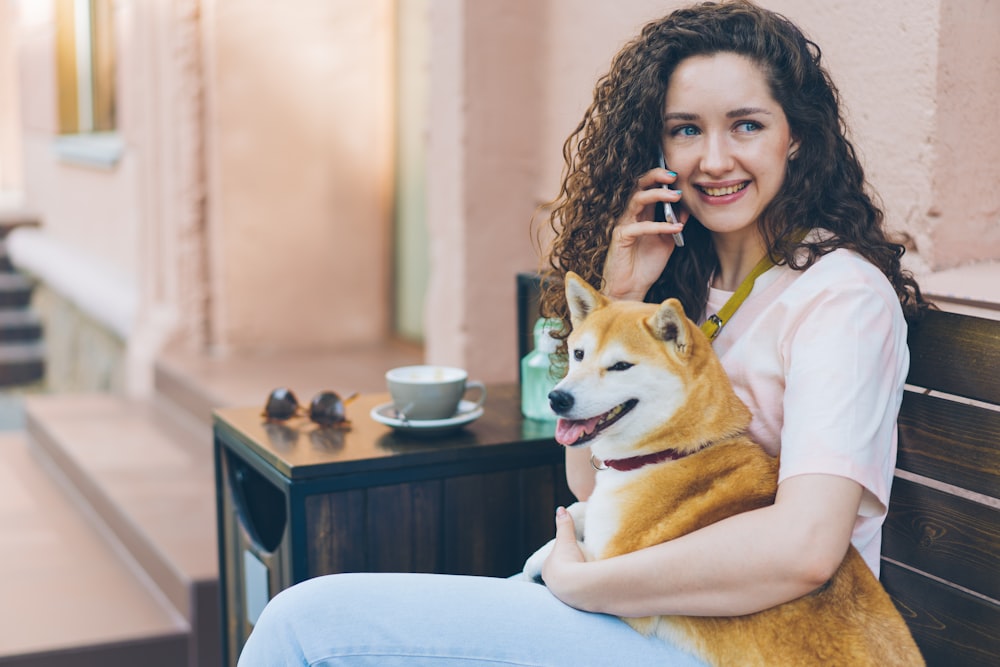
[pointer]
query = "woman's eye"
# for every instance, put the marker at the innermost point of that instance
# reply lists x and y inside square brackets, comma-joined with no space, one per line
[747,126]
[684,131]
[578,354]
[621,366]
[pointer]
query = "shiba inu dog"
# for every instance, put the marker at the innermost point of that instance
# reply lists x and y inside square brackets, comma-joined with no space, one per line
[668,436]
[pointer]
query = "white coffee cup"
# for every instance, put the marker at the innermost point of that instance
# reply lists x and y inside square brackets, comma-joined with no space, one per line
[429,392]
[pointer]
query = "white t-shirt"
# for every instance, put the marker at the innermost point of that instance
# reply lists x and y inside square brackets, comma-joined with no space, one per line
[820,358]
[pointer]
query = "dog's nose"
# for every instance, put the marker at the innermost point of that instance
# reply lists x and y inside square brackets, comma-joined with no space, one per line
[561,401]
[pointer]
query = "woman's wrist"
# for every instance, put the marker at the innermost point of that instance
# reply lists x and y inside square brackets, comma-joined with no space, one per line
[576,586]
[623,293]
[626,296]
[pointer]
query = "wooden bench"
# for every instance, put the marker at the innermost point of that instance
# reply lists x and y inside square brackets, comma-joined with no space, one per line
[941,540]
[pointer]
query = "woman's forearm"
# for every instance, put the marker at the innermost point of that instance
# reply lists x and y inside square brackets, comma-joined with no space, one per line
[737,566]
[720,571]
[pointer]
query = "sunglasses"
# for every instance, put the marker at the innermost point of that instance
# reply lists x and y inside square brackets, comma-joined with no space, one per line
[327,408]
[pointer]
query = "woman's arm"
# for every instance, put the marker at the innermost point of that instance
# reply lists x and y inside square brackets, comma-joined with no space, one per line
[743,564]
[580,474]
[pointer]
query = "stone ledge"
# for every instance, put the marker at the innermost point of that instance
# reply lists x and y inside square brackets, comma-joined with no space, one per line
[973,289]
[105,295]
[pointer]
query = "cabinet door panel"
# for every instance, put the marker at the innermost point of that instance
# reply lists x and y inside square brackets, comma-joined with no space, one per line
[482,524]
[335,532]
[404,527]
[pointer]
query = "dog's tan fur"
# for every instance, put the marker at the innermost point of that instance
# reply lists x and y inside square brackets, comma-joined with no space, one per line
[850,621]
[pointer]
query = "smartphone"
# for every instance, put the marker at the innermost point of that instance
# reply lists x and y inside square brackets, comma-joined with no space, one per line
[665,212]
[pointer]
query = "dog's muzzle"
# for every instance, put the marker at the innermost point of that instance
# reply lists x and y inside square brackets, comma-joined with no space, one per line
[560,401]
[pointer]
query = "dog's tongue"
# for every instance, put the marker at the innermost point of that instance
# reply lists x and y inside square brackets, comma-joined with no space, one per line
[568,431]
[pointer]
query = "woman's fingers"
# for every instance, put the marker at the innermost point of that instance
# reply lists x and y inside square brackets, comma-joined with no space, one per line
[656,177]
[640,246]
[566,549]
[628,234]
[640,206]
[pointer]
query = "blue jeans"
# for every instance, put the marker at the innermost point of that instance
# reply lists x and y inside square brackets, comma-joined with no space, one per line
[434,620]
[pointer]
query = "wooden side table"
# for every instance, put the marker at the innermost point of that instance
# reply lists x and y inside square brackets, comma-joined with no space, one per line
[296,501]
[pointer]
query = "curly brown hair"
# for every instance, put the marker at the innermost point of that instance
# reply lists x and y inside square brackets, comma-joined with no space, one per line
[620,133]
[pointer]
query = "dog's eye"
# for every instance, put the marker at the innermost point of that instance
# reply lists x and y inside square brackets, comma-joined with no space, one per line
[621,366]
[578,354]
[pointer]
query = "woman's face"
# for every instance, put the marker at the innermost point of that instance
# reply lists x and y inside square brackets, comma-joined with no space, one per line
[728,140]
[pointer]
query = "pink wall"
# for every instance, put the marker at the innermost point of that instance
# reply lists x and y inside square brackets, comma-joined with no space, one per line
[299,137]
[10,117]
[250,209]
[483,169]
[91,209]
[963,220]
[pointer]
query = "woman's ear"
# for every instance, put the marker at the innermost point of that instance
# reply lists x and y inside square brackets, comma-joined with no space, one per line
[793,148]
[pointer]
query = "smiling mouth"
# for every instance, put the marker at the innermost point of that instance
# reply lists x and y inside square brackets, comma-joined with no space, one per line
[722,192]
[573,432]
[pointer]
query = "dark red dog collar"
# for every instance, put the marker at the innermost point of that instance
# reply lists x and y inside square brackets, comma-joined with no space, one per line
[636,462]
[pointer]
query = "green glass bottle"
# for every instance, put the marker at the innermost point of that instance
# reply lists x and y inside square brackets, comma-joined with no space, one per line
[537,378]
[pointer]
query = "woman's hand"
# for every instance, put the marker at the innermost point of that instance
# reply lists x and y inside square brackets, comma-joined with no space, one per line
[640,247]
[565,567]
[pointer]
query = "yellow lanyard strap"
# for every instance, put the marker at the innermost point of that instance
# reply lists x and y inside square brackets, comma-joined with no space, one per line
[713,325]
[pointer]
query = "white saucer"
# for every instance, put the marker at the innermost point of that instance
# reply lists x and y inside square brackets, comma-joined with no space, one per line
[468,412]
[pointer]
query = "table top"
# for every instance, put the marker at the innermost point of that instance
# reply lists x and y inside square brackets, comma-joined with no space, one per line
[300,449]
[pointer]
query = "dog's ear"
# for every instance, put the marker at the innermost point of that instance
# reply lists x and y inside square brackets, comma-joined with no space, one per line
[581,298]
[670,325]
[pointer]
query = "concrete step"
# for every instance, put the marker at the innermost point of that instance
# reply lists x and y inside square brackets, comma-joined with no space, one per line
[14,215]
[69,598]
[5,264]
[15,290]
[149,477]
[19,325]
[21,362]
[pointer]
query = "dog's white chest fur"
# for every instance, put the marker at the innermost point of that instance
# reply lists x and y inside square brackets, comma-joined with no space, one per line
[605,516]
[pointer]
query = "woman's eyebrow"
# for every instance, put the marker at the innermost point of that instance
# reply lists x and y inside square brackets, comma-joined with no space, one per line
[747,111]
[735,113]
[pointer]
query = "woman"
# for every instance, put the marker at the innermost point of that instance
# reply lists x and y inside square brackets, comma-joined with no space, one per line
[750,126]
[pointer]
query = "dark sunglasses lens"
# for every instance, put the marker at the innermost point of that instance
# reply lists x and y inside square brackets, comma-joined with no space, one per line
[281,404]
[327,409]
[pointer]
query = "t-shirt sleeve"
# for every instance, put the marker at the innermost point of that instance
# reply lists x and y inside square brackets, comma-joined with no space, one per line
[846,363]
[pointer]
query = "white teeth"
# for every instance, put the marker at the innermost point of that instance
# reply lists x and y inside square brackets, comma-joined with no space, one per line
[718,192]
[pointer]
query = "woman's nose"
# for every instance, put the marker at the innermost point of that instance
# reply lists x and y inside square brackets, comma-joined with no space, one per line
[717,157]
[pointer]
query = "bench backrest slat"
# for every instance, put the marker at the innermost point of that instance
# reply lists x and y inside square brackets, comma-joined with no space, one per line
[951,627]
[941,539]
[950,441]
[956,354]
[945,536]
